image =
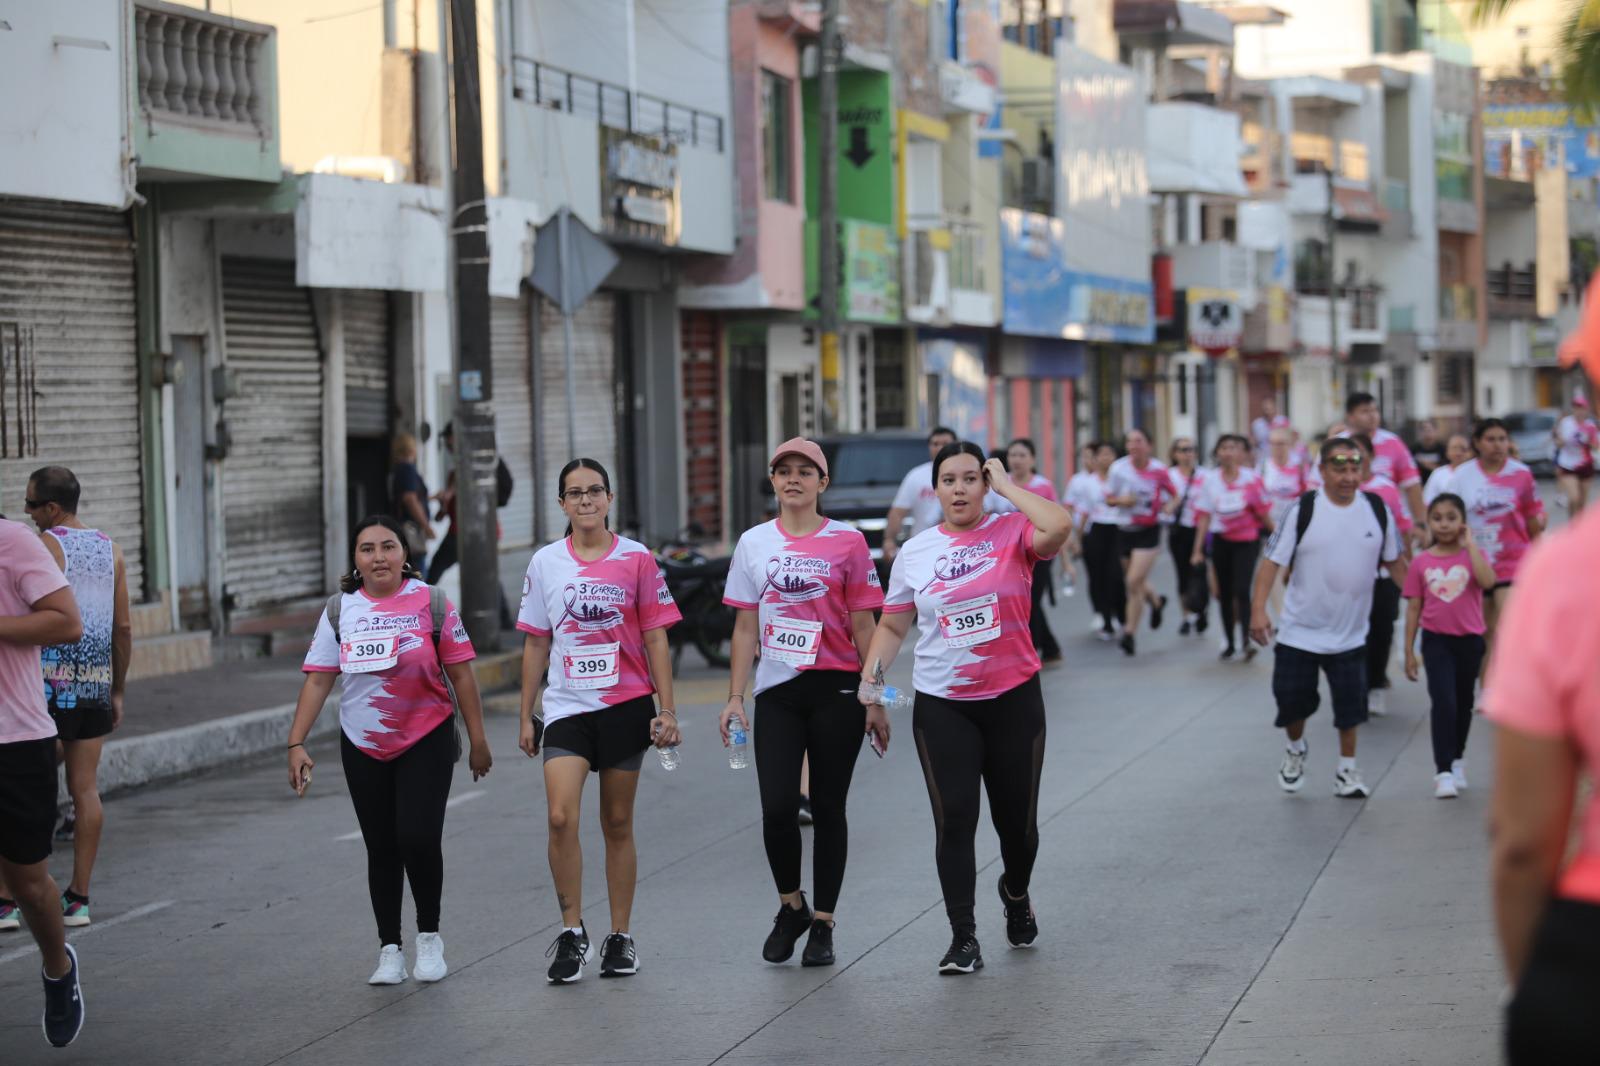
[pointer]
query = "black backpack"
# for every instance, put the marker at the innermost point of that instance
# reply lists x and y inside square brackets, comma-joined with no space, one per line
[1380,511]
[502,483]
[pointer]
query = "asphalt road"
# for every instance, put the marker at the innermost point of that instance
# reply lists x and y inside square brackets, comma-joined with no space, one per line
[1190,911]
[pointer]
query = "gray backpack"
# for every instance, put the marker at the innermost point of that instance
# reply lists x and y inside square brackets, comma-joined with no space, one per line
[438,608]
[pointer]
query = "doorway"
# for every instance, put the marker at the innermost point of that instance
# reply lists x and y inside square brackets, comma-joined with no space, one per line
[747,424]
[190,513]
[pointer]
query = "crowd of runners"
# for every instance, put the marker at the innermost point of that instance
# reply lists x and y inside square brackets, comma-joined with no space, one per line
[1307,548]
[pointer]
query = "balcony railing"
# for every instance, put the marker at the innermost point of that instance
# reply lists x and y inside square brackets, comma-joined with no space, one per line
[1509,283]
[201,67]
[613,105]
[967,248]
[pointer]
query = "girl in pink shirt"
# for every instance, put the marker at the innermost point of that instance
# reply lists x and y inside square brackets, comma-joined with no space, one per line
[979,712]
[805,590]
[1021,460]
[595,612]
[1234,505]
[1444,599]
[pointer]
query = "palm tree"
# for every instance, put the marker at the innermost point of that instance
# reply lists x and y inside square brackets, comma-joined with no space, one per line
[1579,56]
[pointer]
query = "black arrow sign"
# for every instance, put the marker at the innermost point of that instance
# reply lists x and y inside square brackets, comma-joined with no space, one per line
[859,152]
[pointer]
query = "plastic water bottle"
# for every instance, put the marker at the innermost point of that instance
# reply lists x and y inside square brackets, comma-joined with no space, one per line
[893,699]
[668,756]
[738,744]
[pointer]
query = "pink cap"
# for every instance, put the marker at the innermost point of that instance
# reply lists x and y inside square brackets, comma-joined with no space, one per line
[806,449]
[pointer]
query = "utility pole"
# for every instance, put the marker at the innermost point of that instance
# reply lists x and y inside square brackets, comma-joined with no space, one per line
[474,399]
[1331,224]
[828,193]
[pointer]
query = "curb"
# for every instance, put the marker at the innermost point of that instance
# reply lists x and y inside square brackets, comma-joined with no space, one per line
[174,753]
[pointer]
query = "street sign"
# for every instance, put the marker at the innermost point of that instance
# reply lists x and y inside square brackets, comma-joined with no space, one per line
[592,262]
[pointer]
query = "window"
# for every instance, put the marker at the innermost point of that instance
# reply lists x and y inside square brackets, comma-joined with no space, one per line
[777,143]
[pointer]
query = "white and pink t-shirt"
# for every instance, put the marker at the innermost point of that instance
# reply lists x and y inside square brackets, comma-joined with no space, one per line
[803,589]
[596,615]
[1576,443]
[1038,484]
[1284,484]
[1393,460]
[973,593]
[1149,488]
[28,573]
[1499,508]
[1386,490]
[1188,490]
[1452,599]
[392,689]
[1238,508]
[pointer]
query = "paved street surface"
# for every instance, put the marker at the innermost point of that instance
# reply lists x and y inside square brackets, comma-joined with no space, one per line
[1190,911]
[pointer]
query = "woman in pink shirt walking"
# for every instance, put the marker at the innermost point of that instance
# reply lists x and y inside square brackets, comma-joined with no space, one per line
[1233,505]
[1444,600]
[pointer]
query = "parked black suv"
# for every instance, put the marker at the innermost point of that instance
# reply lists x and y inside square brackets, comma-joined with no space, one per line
[864,473]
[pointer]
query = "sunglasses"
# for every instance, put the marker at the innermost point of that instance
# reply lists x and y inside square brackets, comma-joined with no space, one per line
[1343,462]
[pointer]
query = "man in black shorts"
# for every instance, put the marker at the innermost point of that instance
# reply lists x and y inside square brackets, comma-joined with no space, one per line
[36,608]
[1326,608]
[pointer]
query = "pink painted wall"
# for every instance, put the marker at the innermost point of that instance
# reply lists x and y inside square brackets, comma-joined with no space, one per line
[771,234]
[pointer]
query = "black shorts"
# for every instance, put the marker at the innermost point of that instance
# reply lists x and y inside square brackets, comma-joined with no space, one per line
[615,738]
[82,723]
[1140,538]
[1582,473]
[27,800]
[1294,685]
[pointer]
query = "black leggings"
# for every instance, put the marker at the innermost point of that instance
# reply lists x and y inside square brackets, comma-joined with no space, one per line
[1194,592]
[998,741]
[400,805]
[1235,561]
[1452,664]
[1044,641]
[1108,590]
[1380,631]
[815,714]
[1552,1018]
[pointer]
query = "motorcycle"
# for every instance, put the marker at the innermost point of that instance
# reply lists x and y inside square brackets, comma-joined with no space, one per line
[696,582]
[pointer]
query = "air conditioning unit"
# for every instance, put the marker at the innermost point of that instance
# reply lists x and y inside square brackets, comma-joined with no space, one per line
[1038,184]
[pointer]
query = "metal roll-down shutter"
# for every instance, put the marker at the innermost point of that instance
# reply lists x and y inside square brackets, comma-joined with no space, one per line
[595,386]
[367,401]
[511,354]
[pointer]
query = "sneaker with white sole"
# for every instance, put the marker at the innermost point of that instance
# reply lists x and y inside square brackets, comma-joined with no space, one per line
[618,956]
[63,1004]
[391,967]
[10,916]
[1458,770]
[74,910]
[964,955]
[1444,786]
[1347,784]
[1292,774]
[1377,703]
[572,952]
[430,965]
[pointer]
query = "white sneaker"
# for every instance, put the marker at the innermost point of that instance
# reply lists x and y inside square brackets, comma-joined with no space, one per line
[1348,784]
[1444,786]
[391,967]
[1292,774]
[430,958]
[1377,703]
[1458,770]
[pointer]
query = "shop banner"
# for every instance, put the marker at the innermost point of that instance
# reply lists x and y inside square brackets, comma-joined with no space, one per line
[1043,297]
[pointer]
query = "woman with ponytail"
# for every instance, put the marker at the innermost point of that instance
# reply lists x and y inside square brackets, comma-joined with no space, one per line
[394,641]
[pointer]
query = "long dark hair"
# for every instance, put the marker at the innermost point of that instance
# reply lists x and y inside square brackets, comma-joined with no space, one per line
[582,464]
[352,581]
[950,451]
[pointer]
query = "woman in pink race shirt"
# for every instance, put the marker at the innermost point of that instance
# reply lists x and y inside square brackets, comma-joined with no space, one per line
[1444,600]
[1234,506]
[979,717]
[805,590]
[397,743]
[595,612]
[1504,511]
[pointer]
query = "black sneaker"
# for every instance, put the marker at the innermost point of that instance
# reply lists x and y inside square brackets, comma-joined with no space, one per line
[1127,643]
[789,926]
[572,951]
[1202,622]
[1184,629]
[805,809]
[617,956]
[964,955]
[1155,612]
[63,1005]
[819,945]
[1227,654]
[1022,928]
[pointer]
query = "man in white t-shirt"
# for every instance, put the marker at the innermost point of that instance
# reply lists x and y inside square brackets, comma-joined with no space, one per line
[916,498]
[1326,609]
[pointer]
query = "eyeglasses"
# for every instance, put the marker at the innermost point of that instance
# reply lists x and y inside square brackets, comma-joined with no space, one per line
[1343,462]
[593,492]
